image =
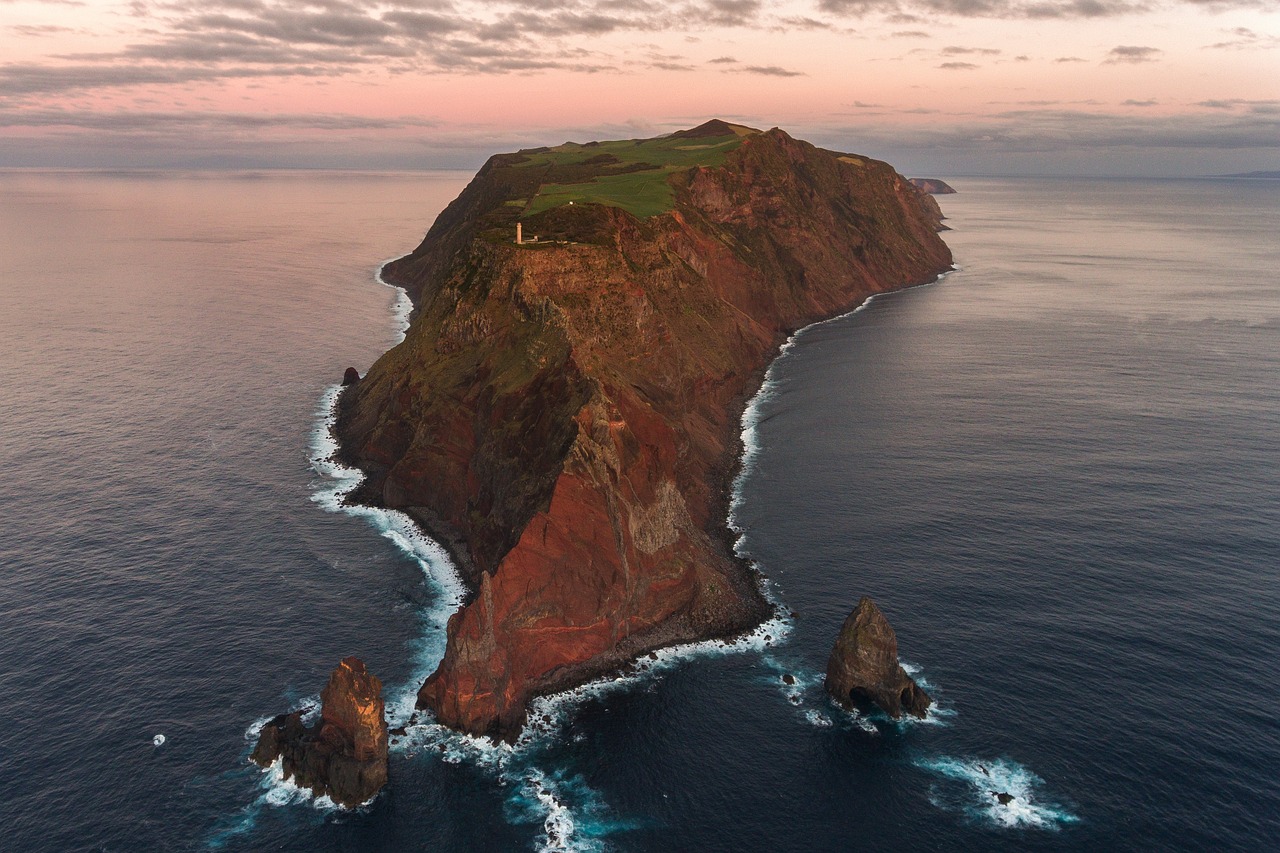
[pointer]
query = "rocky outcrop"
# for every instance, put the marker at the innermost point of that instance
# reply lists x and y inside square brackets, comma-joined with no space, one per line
[351,377]
[344,755]
[863,667]
[565,416]
[933,186]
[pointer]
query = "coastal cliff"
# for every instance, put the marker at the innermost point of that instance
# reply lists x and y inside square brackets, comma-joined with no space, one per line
[563,413]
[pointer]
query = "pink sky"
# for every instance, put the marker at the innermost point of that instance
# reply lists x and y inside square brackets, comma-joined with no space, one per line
[946,86]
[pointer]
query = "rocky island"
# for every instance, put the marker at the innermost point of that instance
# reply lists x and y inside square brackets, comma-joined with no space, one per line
[564,412]
[863,668]
[344,755]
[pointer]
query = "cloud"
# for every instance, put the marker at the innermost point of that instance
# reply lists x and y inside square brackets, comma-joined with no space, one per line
[768,71]
[1243,38]
[1150,102]
[966,51]
[915,10]
[804,22]
[188,41]
[1263,106]
[34,78]
[1070,59]
[1132,54]
[1031,131]
[160,122]
[910,34]
[733,13]
[958,66]
[38,30]
[722,60]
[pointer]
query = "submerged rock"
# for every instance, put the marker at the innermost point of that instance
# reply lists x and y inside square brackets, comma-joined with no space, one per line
[351,377]
[864,666]
[345,754]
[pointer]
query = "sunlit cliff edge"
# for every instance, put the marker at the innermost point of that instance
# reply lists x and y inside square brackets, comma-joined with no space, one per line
[564,412]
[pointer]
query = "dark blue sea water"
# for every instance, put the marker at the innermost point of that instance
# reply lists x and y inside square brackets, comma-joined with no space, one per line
[1057,471]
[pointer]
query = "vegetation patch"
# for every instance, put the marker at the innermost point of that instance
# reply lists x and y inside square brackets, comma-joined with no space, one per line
[630,173]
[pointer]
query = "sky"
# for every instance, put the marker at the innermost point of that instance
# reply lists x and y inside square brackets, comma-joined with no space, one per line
[945,87]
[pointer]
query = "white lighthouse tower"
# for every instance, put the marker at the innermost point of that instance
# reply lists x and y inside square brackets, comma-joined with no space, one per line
[519,233]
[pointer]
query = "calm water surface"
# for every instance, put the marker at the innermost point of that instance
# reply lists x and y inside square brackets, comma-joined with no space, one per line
[1056,471]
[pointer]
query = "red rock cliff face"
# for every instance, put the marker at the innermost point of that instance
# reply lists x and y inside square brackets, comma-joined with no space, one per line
[566,417]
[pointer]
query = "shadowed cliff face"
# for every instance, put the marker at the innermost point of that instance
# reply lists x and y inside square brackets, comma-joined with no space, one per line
[566,416]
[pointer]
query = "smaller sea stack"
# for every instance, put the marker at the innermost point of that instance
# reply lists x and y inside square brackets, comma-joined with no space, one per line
[344,755]
[864,666]
[351,377]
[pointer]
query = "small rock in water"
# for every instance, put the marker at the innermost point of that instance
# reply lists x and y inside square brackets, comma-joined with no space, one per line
[788,679]
[158,740]
[1004,797]
[351,377]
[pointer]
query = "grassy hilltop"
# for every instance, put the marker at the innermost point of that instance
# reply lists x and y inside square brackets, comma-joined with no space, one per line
[628,173]
[541,186]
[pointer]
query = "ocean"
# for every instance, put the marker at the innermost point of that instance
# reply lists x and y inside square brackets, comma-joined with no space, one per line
[1057,470]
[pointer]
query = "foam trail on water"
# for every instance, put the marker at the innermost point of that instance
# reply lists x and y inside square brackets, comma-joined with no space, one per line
[972,787]
[442,576]
[751,418]
[403,531]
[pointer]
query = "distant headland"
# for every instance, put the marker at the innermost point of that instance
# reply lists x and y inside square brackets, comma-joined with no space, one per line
[563,414]
[933,186]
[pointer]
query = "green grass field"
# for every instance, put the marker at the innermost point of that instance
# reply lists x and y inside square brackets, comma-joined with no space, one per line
[630,174]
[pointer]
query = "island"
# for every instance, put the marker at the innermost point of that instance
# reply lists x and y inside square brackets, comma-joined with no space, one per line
[564,412]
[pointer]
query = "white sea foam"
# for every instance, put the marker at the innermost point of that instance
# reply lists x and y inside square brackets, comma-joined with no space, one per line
[973,787]
[558,822]
[818,718]
[441,574]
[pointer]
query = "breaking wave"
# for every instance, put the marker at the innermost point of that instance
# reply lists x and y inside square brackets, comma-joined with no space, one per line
[1000,792]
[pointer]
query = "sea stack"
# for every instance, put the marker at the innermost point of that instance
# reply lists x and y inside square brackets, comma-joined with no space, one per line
[864,666]
[565,416]
[344,755]
[351,377]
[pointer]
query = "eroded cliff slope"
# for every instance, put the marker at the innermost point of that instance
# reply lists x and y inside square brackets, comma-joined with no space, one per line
[564,414]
